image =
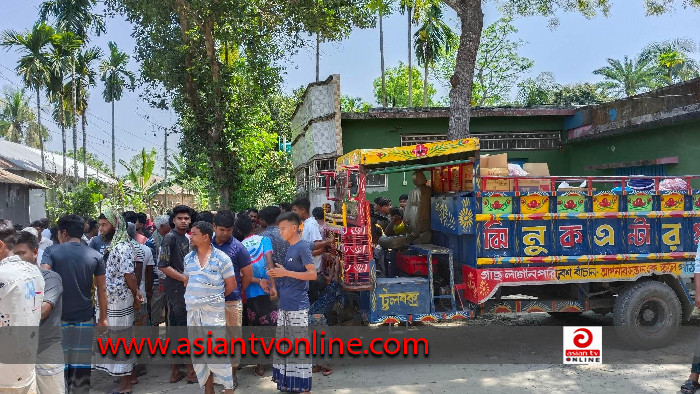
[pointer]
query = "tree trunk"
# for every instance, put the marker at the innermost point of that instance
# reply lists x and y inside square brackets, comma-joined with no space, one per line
[410,74]
[381,57]
[472,20]
[114,167]
[41,138]
[84,116]
[75,125]
[62,119]
[425,86]
[318,56]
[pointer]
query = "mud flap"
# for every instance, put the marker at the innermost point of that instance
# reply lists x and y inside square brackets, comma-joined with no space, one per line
[687,303]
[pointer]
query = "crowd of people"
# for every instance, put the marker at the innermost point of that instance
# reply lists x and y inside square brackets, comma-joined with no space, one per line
[183,269]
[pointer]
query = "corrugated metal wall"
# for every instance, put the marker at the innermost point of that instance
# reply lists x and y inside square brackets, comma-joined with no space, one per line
[14,203]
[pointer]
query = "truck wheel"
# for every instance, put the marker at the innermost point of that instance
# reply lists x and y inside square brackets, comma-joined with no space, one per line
[647,314]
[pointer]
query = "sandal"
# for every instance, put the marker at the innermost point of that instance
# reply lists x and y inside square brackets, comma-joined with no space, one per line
[180,376]
[690,387]
[326,371]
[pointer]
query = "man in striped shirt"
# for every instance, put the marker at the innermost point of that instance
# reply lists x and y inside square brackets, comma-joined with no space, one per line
[210,276]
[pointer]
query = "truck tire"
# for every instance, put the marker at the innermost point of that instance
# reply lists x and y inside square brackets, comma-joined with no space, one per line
[647,314]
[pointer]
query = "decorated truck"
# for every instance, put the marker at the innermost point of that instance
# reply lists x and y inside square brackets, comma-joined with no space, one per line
[502,243]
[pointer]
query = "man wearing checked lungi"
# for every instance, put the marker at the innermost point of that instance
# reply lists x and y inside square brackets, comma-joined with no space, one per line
[210,276]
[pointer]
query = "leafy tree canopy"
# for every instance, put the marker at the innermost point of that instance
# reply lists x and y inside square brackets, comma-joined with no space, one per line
[397,87]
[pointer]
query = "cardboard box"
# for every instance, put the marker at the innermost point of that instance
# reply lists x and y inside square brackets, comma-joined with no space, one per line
[461,177]
[497,185]
[496,165]
[535,185]
[495,161]
[436,180]
[467,177]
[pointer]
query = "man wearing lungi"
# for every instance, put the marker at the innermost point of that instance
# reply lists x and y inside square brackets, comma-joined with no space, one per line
[210,276]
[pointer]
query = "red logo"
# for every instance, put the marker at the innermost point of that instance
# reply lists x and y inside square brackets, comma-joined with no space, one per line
[584,339]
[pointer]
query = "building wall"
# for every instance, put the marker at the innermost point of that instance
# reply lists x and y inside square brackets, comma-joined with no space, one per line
[37,204]
[381,133]
[14,203]
[682,140]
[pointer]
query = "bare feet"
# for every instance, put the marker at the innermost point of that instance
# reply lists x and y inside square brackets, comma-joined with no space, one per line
[178,376]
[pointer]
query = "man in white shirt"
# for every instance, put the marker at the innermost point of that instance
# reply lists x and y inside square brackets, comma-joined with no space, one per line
[21,297]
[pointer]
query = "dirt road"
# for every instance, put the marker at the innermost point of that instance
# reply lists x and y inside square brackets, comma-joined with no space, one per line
[441,378]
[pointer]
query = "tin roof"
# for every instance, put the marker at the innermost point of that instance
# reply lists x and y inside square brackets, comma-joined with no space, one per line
[15,156]
[8,177]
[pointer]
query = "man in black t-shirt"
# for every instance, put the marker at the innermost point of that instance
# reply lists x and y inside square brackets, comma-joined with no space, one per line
[79,267]
[173,249]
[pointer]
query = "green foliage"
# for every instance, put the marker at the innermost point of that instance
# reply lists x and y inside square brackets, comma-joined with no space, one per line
[17,122]
[139,183]
[580,94]
[537,91]
[218,63]
[354,104]
[630,76]
[34,64]
[673,59]
[92,160]
[74,15]
[432,41]
[434,38]
[266,173]
[397,87]
[115,75]
[85,77]
[83,199]
[544,90]
[498,65]
[334,20]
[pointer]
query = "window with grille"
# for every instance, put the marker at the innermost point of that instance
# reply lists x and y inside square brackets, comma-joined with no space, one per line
[652,170]
[376,180]
[302,177]
[497,141]
[415,139]
[318,180]
[507,141]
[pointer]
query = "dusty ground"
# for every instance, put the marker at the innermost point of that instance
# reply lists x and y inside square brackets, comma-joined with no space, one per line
[485,378]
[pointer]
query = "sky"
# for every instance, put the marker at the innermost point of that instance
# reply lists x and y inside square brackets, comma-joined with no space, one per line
[571,51]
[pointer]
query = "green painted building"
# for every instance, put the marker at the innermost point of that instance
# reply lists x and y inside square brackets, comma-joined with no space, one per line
[656,133]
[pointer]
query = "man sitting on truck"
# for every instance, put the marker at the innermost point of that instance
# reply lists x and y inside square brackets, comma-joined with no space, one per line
[396,225]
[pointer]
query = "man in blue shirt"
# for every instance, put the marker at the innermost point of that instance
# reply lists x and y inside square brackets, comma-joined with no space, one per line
[223,240]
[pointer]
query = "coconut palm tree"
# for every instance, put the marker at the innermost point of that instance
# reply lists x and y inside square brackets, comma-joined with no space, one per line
[64,44]
[674,59]
[407,7]
[85,79]
[381,7]
[115,76]
[15,116]
[413,9]
[432,39]
[74,16]
[33,66]
[630,76]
